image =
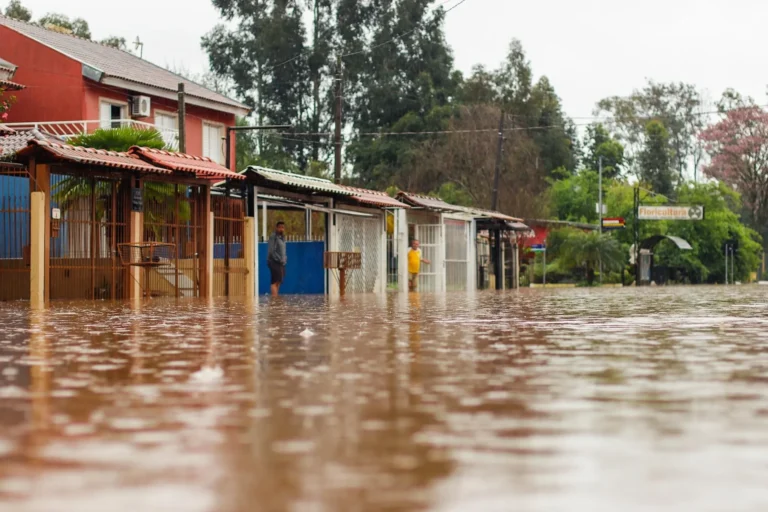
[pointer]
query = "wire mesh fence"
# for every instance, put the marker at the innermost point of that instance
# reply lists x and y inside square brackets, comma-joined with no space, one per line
[88,219]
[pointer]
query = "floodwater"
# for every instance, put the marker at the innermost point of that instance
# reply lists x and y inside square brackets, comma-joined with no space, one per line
[557,400]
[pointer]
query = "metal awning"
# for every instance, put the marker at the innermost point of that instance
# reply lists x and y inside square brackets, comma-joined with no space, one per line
[278,201]
[650,243]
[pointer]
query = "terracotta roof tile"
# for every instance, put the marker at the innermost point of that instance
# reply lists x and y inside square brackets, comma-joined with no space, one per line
[116,63]
[92,156]
[10,86]
[202,167]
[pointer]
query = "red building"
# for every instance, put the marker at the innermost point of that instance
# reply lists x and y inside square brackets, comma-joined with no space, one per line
[73,85]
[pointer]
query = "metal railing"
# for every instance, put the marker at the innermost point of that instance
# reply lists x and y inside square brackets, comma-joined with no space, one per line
[68,129]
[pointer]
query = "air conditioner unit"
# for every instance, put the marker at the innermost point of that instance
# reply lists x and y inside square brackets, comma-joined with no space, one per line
[141,106]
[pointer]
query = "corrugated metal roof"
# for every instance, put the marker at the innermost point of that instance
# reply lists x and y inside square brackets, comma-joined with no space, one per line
[374,198]
[202,167]
[116,63]
[434,203]
[299,181]
[95,157]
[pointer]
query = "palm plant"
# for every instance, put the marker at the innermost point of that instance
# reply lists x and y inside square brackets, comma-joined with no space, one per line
[590,249]
[71,189]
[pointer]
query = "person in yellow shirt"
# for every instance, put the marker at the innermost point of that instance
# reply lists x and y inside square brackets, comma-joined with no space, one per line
[414,265]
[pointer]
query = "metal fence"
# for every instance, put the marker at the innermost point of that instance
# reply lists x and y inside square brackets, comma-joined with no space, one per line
[362,235]
[171,216]
[455,255]
[14,236]
[89,218]
[229,270]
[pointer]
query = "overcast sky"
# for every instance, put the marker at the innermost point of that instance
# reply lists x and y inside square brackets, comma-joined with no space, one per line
[590,49]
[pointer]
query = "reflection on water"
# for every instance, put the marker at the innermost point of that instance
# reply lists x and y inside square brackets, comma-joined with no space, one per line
[595,400]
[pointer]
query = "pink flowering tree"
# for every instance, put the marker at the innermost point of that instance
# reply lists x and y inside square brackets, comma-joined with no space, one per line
[738,145]
[5,104]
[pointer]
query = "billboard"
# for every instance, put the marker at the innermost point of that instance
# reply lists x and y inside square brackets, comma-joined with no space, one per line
[670,213]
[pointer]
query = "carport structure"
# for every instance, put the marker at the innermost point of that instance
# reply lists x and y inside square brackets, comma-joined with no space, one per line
[85,204]
[352,220]
[447,234]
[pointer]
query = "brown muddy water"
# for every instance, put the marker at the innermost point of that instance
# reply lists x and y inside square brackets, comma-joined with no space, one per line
[561,400]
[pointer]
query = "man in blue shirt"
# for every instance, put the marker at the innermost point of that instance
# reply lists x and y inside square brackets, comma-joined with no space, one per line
[277,258]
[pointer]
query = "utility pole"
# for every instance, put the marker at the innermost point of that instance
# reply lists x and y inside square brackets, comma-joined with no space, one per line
[182,120]
[337,168]
[600,205]
[726,264]
[495,205]
[497,174]
[600,192]
[637,235]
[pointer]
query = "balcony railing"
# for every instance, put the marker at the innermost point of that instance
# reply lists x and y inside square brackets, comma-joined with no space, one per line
[68,129]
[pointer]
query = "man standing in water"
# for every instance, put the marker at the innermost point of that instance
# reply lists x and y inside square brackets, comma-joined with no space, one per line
[277,257]
[414,265]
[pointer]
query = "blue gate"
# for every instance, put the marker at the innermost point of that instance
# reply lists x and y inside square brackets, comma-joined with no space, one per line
[304,273]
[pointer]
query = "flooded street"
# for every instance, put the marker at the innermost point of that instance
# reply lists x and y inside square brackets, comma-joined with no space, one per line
[593,400]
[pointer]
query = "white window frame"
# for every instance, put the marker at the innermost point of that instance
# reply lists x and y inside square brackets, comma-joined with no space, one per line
[166,113]
[220,127]
[124,115]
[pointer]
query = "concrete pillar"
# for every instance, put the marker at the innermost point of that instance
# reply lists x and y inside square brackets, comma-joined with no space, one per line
[43,184]
[136,278]
[249,253]
[37,250]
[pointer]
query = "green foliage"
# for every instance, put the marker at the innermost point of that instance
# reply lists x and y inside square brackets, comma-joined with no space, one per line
[590,249]
[574,198]
[598,142]
[115,42]
[655,159]
[120,139]
[453,194]
[16,11]
[78,26]
[677,106]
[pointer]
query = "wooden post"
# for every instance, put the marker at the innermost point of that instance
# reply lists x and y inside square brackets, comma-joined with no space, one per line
[37,250]
[342,281]
[182,120]
[249,253]
[209,252]
[205,242]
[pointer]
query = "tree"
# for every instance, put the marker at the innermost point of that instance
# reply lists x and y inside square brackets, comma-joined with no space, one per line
[5,104]
[678,106]
[588,250]
[115,42]
[598,142]
[654,159]
[467,159]
[78,26]
[738,145]
[16,11]
[574,198]
[453,194]
[265,55]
